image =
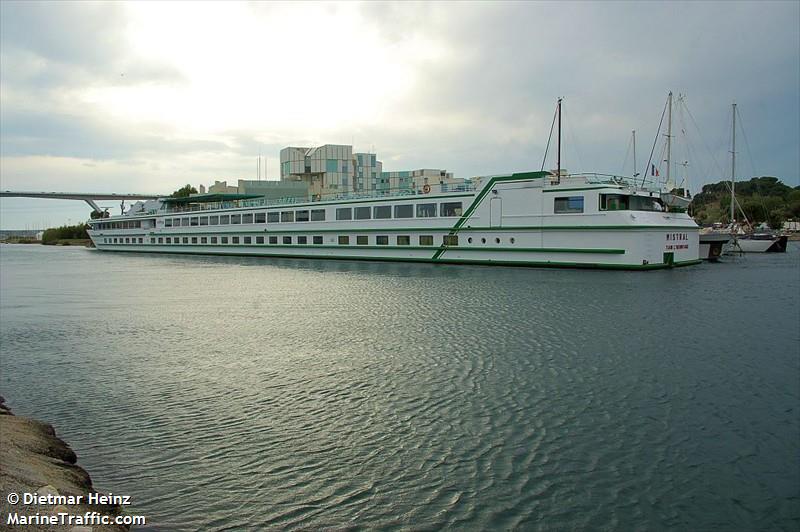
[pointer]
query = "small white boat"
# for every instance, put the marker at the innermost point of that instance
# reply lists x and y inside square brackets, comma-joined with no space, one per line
[761,243]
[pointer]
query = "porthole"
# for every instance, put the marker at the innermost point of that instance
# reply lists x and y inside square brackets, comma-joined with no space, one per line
[497,240]
[483,240]
[469,240]
[512,240]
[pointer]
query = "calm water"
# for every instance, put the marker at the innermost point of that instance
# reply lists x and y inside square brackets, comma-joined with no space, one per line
[224,393]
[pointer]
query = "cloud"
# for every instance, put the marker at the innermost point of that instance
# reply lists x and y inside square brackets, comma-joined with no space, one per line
[196,91]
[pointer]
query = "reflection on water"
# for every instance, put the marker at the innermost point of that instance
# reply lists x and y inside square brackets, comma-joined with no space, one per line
[247,392]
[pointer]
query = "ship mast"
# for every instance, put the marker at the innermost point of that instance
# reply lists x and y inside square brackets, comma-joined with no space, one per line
[634,153]
[733,167]
[669,134]
[558,157]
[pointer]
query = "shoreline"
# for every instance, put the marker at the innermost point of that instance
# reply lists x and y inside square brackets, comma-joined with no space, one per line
[33,459]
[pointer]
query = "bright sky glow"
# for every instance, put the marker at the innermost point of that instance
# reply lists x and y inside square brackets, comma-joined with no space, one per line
[148,96]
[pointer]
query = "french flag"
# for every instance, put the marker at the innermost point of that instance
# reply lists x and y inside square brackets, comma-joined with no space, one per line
[653,170]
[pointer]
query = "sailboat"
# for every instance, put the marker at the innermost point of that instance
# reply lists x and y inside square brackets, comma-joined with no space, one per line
[745,239]
[670,199]
[711,243]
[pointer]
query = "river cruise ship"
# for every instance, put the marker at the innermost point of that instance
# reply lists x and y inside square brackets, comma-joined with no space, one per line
[526,219]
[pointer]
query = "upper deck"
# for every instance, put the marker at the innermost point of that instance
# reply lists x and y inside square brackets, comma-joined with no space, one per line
[476,185]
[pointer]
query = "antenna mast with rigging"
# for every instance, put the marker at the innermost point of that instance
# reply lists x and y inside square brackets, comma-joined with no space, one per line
[733,167]
[558,157]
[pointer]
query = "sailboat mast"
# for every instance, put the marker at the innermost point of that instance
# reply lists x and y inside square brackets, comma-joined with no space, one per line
[669,135]
[733,167]
[558,157]
[634,153]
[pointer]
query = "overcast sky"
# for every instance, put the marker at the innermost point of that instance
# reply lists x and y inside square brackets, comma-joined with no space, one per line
[147,96]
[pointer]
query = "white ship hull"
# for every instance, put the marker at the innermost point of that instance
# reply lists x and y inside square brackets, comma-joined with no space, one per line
[510,220]
[760,245]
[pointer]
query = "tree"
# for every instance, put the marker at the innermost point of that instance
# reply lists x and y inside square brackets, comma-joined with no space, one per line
[184,192]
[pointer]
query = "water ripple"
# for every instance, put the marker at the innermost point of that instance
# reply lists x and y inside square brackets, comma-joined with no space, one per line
[228,393]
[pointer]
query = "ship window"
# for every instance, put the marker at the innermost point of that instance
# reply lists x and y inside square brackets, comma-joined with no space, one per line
[185,222]
[318,215]
[161,240]
[645,203]
[223,240]
[213,240]
[234,240]
[186,240]
[317,240]
[236,219]
[224,220]
[273,240]
[568,205]
[261,217]
[403,240]
[426,210]
[450,240]
[259,240]
[613,202]
[248,240]
[247,218]
[302,240]
[425,240]
[194,240]
[204,240]
[127,240]
[301,216]
[213,220]
[287,216]
[344,240]
[382,240]
[403,211]
[273,217]
[141,240]
[194,221]
[383,212]
[169,240]
[204,220]
[363,213]
[451,209]
[345,213]
[168,222]
[362,240]
[287,240]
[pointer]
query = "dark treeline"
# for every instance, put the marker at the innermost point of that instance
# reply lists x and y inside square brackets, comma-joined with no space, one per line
[762,199]
[65,232]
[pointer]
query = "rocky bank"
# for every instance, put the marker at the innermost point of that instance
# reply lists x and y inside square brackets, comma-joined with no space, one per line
[34,460]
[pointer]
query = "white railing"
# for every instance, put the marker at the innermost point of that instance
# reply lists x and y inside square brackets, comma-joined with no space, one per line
[270,202]
[611,179]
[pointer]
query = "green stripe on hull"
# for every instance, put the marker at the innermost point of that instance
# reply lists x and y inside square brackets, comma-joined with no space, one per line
[534,264]
[598,251]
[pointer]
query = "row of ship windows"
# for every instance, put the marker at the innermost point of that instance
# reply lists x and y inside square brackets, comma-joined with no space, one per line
[382,212]
[343,240]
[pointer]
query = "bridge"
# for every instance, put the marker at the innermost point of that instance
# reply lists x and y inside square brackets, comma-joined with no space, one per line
[89,198]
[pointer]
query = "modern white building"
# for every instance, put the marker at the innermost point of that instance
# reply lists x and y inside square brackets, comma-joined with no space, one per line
[334,169]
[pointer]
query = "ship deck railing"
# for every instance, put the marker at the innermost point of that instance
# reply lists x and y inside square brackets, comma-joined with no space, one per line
[611,179]
[443,188]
